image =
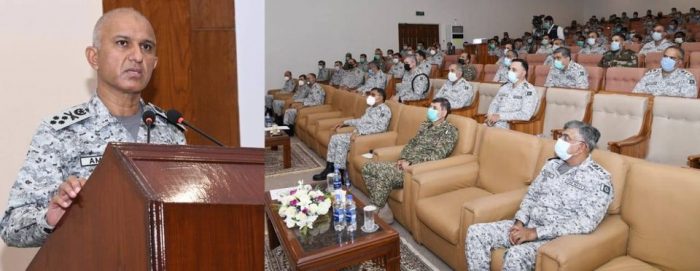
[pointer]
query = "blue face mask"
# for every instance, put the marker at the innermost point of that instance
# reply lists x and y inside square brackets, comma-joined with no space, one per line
[507,62]
[668,64]
[432,114]
[558,64]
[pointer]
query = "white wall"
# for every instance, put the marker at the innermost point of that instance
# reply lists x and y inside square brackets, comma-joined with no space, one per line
[299,33]
[43,71]
[250,39]
[606,7]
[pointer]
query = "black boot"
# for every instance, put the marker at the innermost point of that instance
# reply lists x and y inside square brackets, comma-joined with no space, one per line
[322,176]
[290,132]
[342,176]
[279,120]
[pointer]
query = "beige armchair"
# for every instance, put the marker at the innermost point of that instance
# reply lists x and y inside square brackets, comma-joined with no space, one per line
[620,118]
[487,92]
[564,105]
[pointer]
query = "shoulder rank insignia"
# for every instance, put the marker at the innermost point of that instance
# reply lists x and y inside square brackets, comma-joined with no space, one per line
[605,188]
[68,117]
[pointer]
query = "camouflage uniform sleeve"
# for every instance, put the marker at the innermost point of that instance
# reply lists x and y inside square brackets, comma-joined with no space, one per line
[589,215]
[582,79]
[24,222]
[634,61]
[549,82]
[604,61]
[413,142]
[689,87]
[316,97]
[496,102]
[441,147]
[523,214]
[377,122]
[639,87]
[472,73]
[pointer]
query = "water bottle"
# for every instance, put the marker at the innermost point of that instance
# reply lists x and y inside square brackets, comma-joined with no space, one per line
[337,184]
[268,120]
[338,214]
[350,214]
[346,177]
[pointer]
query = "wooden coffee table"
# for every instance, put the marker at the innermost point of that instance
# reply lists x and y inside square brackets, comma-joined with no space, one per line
[273,141]
[331,250]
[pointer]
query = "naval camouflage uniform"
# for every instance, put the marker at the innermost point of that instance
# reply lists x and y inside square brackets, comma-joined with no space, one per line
[374,80]
[469,72]
[433,142]
[323,75]
[425,67]
[436,59]
[621,58]
[302,92]
[562,200]
[574,76]
[502,74]
[316,97]
[459,93]
[409,90]
[337,77]
[286,88]
[679,83]
[514,103]
[375,120]
[352,78]
[545,49]
[70,143]
[593,50]
[651,46]
[397,70]
[363,66]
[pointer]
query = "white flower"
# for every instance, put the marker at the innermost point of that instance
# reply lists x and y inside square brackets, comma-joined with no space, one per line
[304,200]
[289,221]
[282,211]
[290,212]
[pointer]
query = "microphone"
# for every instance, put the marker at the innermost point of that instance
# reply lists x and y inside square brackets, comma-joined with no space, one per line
[175,117]
[149,118]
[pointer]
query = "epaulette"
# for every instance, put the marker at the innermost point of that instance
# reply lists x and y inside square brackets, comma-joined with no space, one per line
[69,117]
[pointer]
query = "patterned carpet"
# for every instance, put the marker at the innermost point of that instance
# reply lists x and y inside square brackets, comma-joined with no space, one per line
[303,159]
[410,261]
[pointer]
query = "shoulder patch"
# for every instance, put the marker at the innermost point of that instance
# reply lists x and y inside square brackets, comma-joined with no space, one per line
[69,117]
[605,188]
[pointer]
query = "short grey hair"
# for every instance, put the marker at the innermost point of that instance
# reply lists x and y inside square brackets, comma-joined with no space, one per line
[97,31]
[589,134]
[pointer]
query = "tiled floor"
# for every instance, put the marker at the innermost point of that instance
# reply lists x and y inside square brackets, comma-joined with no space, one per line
[291,179]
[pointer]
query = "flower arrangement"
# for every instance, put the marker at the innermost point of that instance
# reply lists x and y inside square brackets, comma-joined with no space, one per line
[302,206]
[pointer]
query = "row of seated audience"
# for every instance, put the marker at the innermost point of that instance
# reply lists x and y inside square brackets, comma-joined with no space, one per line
[572,193]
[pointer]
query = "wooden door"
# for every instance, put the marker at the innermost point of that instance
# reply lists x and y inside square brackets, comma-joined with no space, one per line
[411,34]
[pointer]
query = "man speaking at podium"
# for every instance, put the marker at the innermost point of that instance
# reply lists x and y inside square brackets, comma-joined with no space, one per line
[67,146]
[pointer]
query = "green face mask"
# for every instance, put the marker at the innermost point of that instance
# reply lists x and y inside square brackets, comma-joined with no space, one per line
[579,43]
[492,46]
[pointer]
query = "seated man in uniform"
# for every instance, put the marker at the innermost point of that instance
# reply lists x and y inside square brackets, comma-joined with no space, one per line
[570,196]
[337,74]
[565,73]
[316,96]
[670,79]
[423,63]
[618,56]
[323,74]
[66,148]
[515,100]
[504,65]
[280,105]
[352,76]
[375,78]
[435,57]
[286,89]
[363,63]
[593,45]
[434,141]
[414,84]
[546,47]
[556,44]
[456,89]
[375,120]
[397,66]
[468,69]
[659,42]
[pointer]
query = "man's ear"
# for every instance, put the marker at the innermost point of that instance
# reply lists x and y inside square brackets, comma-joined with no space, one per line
[91,53]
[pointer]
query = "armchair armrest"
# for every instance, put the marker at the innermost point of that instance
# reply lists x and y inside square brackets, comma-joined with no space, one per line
[365,143]
[392,153]
[694,161]
[491,208]
[327,124]
[635,146]
[556,133]
[345,129]
[313,119]
[480,118]
[436,182]
[586,251]
[273,91]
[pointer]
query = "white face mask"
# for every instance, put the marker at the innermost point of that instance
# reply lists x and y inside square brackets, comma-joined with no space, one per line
[371,100]
[301,82]
[555,46]
[590,41]
[512,77]
[432,52]
[320,67]
[337,68]
[561,148]
[395,60]
[286,78]
[679,40]
[657,36]
[452,76]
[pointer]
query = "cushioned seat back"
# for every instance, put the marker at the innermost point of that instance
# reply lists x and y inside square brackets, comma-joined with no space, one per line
[475,87]
[575,49]
[341,99]
[564,105]
[589,60]
[395,108]
[490,71]
[467,134]
[330,91]
[436,84]
[540,75]
[360,105]
[617,116]
[661,208]
[690,47]
[409,122]
[622,79]
[546,152]
[653,60]
[536,59]
[502,149]
[487,91]
[617,166]
[694,60]
[675,130]
[595,77]
[480,70]
[541,92]
[635,47]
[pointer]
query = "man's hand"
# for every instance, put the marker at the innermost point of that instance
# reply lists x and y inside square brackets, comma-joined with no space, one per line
[337,127]
[402,164]
[518,234]
[297,105]
[63,199]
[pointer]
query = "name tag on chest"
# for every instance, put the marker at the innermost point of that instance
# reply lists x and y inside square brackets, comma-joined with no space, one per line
[88,161]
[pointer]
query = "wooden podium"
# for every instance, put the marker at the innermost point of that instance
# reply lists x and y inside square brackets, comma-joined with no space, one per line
[158,207]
